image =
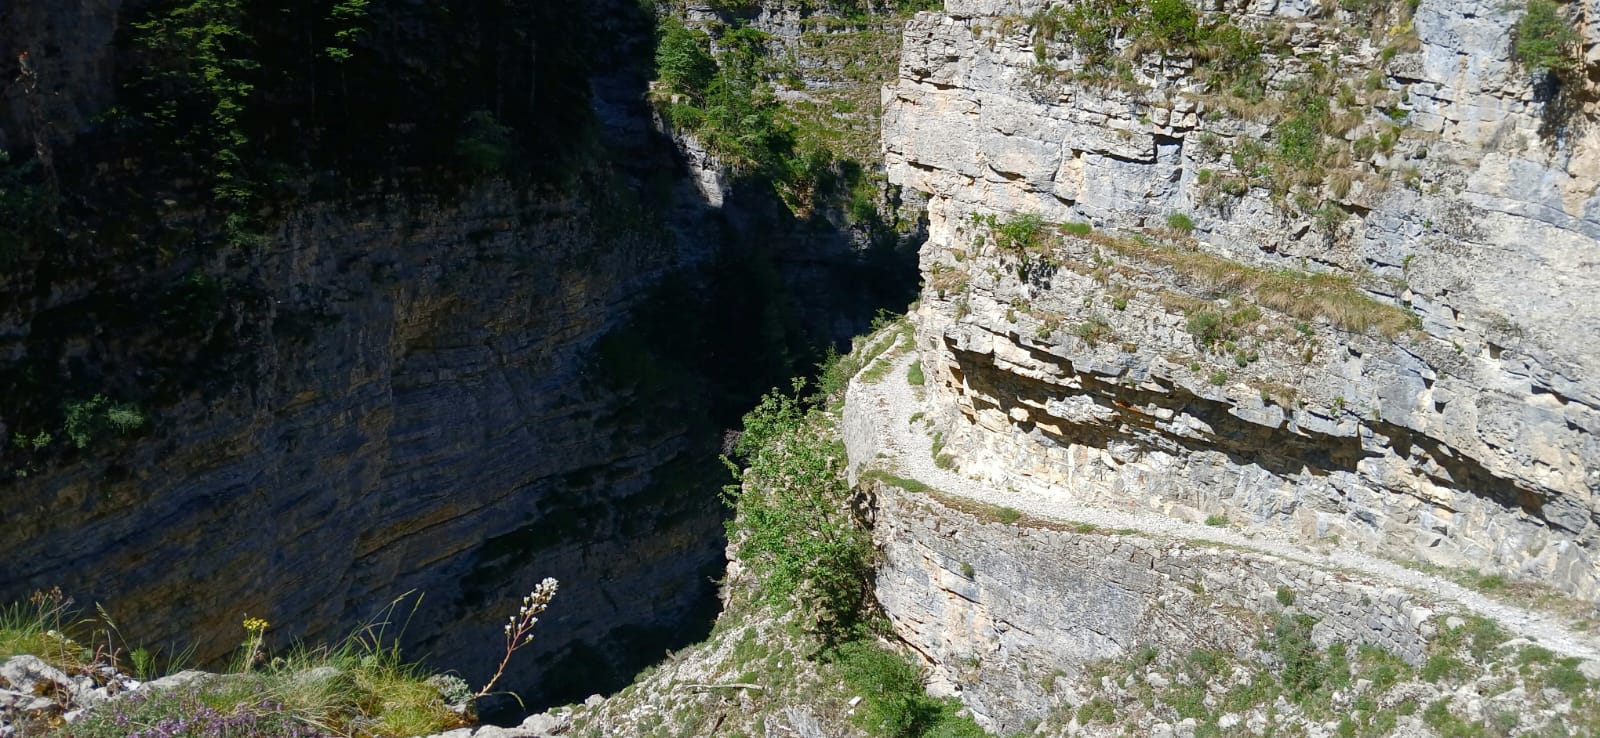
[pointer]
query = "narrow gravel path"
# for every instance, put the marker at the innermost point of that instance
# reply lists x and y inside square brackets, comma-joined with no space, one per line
[904,448]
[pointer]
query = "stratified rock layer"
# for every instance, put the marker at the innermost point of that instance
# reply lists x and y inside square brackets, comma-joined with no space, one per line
[996,609]
[1467,441]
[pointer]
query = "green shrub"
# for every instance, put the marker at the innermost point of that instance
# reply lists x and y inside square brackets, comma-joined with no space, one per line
[200,51]
[1543,40]
[914,374]
[834,373]
[1300,142]
[793,525]
[1021,234]
[1218,521]
[1172,22]
[88,419]
[1303,668]
[484,144]
[683,62]
[1180,222]
[1077,229]
[1285,596]
[1218,378]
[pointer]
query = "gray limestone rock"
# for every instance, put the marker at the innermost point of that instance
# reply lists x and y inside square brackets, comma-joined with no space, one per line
[30,675]
[1467,442]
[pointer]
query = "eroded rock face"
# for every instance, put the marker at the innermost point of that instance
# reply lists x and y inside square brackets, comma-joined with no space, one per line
[998,609]
[1467,440]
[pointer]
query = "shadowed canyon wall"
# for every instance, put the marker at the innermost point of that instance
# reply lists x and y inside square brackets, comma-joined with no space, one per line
[472,324]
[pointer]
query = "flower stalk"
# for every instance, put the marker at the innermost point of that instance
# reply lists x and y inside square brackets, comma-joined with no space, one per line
[519,627]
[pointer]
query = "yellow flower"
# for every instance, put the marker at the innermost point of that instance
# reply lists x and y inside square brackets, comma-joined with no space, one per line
[255,626]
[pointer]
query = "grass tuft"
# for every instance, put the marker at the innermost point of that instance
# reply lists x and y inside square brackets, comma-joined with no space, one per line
[914,374]
[1335,298]
[361,687]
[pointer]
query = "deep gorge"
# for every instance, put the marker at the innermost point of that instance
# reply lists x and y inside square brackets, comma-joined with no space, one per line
[446,349]
[1243,384]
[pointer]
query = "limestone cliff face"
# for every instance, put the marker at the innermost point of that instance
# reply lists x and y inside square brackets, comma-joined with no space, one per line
[1152,364]
[997,609]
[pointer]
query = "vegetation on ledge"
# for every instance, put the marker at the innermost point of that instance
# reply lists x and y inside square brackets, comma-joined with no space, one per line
[799,634]
[359,687]
[1306,296]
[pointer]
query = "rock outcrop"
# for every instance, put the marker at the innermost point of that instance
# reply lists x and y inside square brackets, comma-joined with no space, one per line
[996,608]
[1387,343]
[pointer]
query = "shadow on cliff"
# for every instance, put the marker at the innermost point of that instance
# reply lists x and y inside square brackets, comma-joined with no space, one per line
[1282,451]
[762,296]
[475,329]
[773,296]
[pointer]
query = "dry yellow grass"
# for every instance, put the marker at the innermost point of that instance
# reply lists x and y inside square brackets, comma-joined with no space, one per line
[1300,295]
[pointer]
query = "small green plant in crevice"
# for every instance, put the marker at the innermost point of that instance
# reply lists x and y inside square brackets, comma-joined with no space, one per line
[1478,636]
[1442,666]
[1097,710]
[1094,331]
[1022,233]
[1285,596]
[91,418]
[914,374]
[1218,378]
[1207,327]
[1217,521]
[1181,223]
[936,451]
